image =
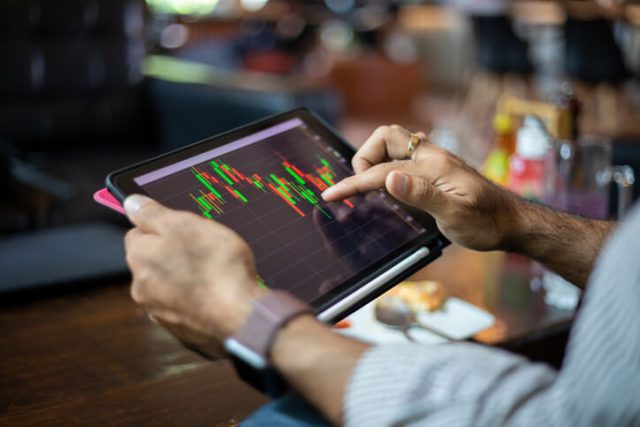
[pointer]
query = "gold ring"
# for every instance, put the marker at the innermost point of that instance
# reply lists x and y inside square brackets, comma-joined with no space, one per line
[414,141]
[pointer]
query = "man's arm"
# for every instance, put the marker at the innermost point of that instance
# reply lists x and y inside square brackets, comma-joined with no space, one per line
[470,210]
[466,384]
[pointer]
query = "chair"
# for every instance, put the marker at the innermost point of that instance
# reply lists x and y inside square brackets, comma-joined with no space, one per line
[499,49]
[595,63]
[591,53]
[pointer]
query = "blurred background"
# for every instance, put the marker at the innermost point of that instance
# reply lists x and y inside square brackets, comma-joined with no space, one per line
[89,86]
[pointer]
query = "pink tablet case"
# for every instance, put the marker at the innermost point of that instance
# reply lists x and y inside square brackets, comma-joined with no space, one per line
[104,197]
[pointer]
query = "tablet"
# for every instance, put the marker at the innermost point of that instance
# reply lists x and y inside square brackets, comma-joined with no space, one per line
[264,181]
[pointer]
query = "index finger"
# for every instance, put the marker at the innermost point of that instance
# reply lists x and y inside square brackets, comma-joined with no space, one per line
[385,143]
[370,179]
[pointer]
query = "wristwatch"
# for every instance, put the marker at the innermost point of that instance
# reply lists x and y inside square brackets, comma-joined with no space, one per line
[250,346]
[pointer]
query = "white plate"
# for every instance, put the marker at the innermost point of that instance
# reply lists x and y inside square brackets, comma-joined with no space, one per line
[457,319]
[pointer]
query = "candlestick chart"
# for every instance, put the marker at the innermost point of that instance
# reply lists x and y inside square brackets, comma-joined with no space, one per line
[223,184]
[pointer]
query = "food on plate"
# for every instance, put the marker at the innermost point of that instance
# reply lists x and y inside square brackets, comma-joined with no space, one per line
[425,295]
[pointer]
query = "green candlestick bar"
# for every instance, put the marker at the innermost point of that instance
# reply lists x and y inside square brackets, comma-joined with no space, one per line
[299,190]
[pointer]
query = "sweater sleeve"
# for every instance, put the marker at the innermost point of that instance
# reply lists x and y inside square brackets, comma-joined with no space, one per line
[450,384]
[465,384]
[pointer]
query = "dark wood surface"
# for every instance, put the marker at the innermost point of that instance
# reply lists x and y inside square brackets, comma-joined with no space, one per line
[91,357]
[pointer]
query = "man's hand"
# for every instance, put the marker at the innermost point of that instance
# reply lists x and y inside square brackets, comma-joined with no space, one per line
[197,278]
[469,209]
[193,276]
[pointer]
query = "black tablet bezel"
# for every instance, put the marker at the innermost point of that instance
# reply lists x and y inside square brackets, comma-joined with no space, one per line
[121,183]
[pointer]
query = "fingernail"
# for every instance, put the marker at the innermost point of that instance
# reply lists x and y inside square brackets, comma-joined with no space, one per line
[133,203]
[399,183]
[328,192]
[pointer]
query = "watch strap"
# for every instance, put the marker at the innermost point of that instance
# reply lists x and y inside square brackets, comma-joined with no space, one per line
[252,342]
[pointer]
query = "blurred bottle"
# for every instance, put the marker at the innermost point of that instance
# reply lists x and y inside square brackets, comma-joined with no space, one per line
[528,173]
[496,167]
[567,101]
[560,157]
[505,133]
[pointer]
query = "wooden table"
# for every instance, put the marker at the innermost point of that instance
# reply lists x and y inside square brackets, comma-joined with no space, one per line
[92,358]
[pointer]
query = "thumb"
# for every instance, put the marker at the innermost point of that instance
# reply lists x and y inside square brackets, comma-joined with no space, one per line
[415,191]
[144,212]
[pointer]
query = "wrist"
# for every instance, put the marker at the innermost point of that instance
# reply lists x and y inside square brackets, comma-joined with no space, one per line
[317,362]
[513,222]
[529,228]
[304,325]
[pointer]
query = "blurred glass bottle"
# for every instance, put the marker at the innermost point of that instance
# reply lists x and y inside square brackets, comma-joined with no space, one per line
[528,166]
[583,167]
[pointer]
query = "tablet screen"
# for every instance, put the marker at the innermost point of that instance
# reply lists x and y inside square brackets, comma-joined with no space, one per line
[266,186]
